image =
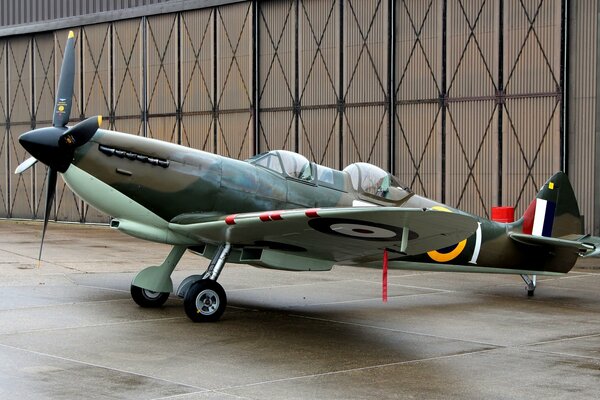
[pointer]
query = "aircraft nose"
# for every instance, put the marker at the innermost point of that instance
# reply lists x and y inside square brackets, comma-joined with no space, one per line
[44,145]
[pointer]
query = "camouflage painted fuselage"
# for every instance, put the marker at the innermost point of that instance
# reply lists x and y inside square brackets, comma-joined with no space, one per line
[182,185]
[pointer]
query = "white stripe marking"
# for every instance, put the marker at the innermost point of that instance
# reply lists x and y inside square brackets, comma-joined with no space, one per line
[477,244]
[540,215]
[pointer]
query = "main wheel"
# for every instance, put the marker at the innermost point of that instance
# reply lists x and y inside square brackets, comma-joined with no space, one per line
[205,301]
[147,298]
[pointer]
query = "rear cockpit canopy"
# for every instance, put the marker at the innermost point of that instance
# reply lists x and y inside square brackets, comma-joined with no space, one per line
[373,181]
[282,161]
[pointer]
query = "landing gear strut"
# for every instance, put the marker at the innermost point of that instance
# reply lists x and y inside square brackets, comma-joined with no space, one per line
[531,284]
[204,300]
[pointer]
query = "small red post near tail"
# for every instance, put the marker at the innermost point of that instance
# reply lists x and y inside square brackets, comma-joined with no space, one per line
[384,283]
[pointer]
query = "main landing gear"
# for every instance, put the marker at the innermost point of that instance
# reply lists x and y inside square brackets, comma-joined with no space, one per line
[204,300]
[531,284]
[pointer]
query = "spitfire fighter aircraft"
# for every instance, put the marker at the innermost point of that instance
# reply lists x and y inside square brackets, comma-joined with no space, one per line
[278,210]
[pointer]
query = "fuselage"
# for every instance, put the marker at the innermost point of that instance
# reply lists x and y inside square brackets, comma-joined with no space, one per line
[151,183]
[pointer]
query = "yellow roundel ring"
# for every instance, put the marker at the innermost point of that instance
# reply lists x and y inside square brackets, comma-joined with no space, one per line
[445,257]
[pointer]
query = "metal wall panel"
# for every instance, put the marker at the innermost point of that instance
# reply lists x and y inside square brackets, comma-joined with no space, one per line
[419,148]
[127,72]
[44,84]
[197,131]
[277,74]
[318,51]
[97,77]
[276,131]
[366,135]
[4,173]
[319,138]
[162,65]
[234,66]
[197,78]
[531,141]
[418,49]
[163,128]
[234,57]
[531,129]
[365,51]
[418,63]
[532,46]
[20,114]
[472,48]
[197,59]
[471,130]
[581,103]
[4,138]
[276,55]
[472,156]
[366,129]
[233,139]
[96,41]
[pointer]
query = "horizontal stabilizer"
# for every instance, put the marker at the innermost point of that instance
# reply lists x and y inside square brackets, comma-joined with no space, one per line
[565,242]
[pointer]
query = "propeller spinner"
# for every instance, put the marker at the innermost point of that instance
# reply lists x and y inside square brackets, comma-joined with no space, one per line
[55,146]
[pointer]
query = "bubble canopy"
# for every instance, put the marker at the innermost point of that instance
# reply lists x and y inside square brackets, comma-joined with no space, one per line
[374,181]
[292,164]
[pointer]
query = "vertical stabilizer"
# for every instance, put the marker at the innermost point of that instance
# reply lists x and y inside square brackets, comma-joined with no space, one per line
[554,211]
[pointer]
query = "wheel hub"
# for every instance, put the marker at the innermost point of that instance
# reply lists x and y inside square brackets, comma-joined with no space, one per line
[207,302]
[149,294]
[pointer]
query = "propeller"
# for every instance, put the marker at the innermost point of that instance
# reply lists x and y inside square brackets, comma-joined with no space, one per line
[55,146]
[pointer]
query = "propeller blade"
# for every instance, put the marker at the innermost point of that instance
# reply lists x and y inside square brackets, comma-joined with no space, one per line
[50,191]
[25,165]
[81,133]
[64,93]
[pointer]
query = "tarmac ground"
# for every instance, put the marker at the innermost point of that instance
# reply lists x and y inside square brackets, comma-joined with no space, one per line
[69,329]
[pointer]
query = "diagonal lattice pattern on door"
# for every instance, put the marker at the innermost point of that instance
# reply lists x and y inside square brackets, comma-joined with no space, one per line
[277,86]
[197,101]
[418,92]
[471,126]
[318,80]
[532,128]
[234,100]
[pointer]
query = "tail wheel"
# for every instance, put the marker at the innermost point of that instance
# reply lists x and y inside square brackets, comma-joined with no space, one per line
[147,298]
[205,301]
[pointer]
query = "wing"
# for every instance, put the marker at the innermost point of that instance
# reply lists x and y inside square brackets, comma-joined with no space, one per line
[348,235]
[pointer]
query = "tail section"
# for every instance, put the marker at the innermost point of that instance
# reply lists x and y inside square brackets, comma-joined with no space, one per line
[554,211]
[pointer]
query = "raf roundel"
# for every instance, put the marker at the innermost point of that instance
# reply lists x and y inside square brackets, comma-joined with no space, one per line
[357,229]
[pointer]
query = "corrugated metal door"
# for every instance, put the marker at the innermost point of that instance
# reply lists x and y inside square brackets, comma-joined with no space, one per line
[234,81]
[277,81]
[4,138]
[20,115]
[43,106]
[197,77]
[319,43]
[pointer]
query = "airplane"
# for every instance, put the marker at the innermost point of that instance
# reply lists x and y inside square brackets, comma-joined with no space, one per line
[279,210]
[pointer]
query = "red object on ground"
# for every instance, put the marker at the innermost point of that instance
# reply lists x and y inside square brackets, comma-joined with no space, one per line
[384,283]
[503,214]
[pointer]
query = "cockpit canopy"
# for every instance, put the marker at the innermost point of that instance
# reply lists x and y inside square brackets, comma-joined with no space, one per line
[375,182]
[283,161]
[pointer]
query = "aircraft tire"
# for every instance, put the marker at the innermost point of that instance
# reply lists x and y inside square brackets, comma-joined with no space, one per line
[146,298]
[205,301]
